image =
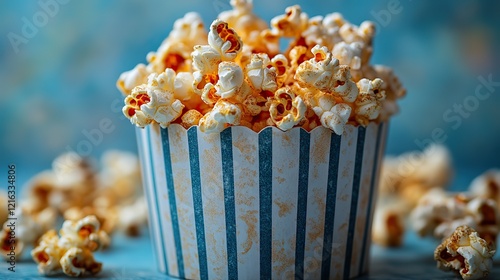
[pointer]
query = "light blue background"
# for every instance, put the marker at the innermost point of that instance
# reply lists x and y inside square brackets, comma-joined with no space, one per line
[62,81]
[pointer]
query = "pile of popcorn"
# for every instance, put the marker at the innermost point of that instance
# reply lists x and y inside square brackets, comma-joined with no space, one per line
[72,190]
[236,74]
[71,253]
[412,192]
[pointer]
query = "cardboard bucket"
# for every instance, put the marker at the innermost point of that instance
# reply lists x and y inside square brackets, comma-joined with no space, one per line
[246,205]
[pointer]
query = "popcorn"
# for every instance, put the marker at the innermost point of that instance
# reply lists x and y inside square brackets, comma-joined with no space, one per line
[72,252]
[324,73]
[78,262]
[130,79]
[368,103]
[466,253]
[291,24]
[242,65]
[260,76]
[412,174]
[388,223]
[84,233]
[191,118]
[133,217]
[487,185]
[224,113]
[286,109]
[48,253]
[154,101]
[439,213]
[243,20]
[230,80]
[348,54]
[332,115]
[224,40]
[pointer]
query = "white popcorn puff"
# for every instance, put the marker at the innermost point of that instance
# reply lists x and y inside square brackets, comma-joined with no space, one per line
[224,40]
[487,185]
[260,76]
[292,23]
[324,73]
[412,174]
[84,233]
[351,33]
[130,79]
[286,109]
[348,54]
[206,59]
[316,33]
[332,115]
[230,80]
[155,101]
[189,30]
[243,20]
[224,113]
[133,217]
[78,262]
[434,208]
[368,103]
[48,254]
[466,253]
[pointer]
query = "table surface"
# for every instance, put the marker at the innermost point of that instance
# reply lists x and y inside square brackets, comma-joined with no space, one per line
[132,258]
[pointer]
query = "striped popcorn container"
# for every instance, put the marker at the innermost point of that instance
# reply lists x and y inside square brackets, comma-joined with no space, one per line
[270,205]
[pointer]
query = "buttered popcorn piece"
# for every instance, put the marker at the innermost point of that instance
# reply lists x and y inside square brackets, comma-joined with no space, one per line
[84,233]
[224,40]
[348,54]
[332,115]
[48,254]
[230,80]
[70,253]
[261,77]
[243,20]
[286,109]
[465,253]
[78,262]
[223,114]
[191,118]
[388,223]
[292,23]
[154,101]
[130,79]
[369,101]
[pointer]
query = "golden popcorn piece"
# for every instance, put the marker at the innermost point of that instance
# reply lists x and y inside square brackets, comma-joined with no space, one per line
[133,217]
[280,63]
[222,115]
[412,174]
[84,233]
[286,109]
[130,79]
[191,118]
[244,22]
[369,101]
[154,101]
[291,24]
[48,253]
[205,59]
[348,54]
[465,253]
[224,40]
[77,262]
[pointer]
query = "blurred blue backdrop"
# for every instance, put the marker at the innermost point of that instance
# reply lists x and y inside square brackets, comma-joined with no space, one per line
[59,85]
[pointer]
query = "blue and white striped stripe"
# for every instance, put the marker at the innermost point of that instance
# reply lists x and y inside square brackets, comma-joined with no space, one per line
[246,205]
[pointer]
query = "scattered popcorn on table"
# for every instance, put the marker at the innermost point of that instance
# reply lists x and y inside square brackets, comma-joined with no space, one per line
[238,66]
[465,253]
[71,253]
[388,223]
